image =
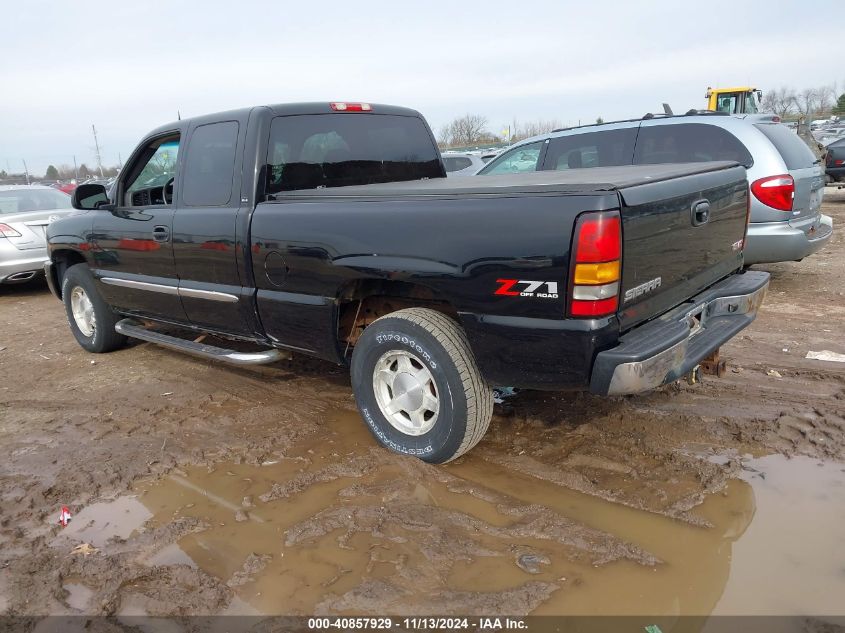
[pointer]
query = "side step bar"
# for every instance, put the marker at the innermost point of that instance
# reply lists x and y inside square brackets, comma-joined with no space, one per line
[131,328]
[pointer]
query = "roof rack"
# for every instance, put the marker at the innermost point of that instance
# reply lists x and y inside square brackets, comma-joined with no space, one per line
[645,117]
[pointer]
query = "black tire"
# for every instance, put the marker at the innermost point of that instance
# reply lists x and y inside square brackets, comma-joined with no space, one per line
[465,400]
[104,338]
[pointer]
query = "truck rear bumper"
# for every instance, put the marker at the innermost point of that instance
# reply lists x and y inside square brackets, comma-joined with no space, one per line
[667,348]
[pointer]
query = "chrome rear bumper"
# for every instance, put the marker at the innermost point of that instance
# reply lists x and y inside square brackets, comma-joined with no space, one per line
[663,350]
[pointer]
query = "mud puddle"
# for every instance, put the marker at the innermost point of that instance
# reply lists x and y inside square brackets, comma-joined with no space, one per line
[336,525]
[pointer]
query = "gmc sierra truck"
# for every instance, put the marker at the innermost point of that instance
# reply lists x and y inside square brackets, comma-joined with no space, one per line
[331,230]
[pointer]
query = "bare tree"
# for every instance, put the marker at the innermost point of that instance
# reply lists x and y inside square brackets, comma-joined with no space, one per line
[815,102]
[520,131]
[470,129]
[780,101]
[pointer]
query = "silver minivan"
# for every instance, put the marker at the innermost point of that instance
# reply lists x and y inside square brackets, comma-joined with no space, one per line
[785,178]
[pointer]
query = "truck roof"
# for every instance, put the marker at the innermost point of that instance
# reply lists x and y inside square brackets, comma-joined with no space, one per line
[595,179]
[282,109]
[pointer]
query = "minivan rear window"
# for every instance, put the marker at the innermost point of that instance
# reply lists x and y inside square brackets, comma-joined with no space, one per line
[335,150]
[794,151]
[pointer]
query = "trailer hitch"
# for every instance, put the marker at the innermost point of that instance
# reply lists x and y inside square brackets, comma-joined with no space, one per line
[713,365]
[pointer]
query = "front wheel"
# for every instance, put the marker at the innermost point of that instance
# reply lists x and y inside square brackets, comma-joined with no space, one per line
[90,318]
[418,387]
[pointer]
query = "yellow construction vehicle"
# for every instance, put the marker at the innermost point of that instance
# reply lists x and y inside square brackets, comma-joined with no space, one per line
[743,100]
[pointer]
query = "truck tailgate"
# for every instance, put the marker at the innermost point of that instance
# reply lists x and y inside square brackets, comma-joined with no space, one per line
[679,237]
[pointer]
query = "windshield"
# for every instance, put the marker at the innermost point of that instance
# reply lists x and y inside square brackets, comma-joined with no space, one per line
[23,200]
[519,160]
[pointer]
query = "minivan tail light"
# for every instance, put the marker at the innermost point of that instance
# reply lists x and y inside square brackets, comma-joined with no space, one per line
[777,192]
[342,106]
[597,267]
[8,231]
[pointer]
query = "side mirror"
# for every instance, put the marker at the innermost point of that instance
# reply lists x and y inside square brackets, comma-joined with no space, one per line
[89,197]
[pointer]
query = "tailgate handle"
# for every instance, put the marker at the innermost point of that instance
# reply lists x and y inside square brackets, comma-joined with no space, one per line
[700,212]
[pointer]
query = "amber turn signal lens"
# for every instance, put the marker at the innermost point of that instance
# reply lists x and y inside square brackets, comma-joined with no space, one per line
[596,274]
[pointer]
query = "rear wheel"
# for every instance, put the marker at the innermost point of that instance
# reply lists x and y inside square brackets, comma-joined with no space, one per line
[90,318]
[418,387]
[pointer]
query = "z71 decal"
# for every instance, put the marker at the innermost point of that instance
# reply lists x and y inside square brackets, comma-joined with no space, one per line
[526,288]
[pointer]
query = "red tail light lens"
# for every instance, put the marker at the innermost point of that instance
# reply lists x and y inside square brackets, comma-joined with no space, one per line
[596,269]
[603,307]
[777,192]
[598,238]
[8,231]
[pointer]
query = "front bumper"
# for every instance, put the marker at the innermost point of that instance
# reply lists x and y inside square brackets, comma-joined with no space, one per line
[769,242]
[16,264]
[665,349]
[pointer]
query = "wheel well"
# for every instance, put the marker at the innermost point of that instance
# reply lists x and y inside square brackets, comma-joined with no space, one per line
[362,302]
[63,260]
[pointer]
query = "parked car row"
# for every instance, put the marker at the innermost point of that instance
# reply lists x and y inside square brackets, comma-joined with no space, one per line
[785,178]
[835,161]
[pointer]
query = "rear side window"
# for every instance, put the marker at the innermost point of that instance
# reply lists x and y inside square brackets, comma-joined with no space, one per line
[789,145]
[335,150]
[688,143]
[210,165]
[456,163]
[591,149]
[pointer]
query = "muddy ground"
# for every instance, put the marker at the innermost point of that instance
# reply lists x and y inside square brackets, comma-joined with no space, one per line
[198,488]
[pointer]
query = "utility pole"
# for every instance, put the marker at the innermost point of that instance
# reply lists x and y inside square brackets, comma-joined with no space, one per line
[25,170]
[75,169]
[97,148]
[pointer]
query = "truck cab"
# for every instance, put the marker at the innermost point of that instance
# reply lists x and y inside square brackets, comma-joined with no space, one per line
[742,100]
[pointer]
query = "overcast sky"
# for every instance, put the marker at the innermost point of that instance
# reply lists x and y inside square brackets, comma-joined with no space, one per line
[129,66]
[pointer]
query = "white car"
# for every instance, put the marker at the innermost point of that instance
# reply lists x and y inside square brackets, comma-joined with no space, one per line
[461,163]
[25,212]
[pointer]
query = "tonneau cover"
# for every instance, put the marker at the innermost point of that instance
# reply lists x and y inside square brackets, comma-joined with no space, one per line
[595,179]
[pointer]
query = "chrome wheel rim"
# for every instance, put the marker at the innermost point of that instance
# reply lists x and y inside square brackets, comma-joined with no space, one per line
[405,392]
[83,311]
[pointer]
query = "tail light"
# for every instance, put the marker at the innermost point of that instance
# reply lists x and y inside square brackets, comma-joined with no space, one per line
[597,255]
[342,106]
[777,192]
[8,231]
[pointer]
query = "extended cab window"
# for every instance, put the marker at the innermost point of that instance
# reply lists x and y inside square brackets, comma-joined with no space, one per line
[688,143]
[591,149]
[210,165]
[153,173]
[336,150]
[518,160]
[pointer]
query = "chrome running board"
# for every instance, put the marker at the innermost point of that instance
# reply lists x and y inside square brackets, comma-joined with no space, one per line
[131,328]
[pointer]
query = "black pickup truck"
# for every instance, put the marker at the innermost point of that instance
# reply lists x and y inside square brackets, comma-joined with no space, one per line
[331,230]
